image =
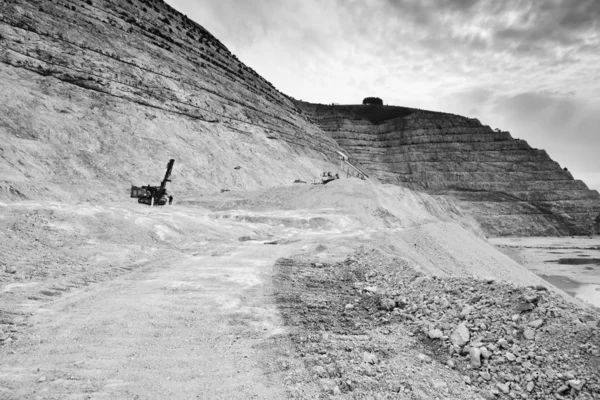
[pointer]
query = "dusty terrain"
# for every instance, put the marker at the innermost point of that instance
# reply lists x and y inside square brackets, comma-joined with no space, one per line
[293,292]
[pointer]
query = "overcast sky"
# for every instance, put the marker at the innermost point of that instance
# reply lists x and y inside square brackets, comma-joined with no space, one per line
[529,67]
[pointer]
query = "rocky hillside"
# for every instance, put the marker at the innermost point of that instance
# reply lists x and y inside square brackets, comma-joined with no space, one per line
[98,95]
[511,188]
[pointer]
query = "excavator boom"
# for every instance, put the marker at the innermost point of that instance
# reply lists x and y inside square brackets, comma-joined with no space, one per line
[163,184]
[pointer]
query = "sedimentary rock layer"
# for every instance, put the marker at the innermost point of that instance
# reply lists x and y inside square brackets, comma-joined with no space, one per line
[511,188]
[102,93]
[98,94]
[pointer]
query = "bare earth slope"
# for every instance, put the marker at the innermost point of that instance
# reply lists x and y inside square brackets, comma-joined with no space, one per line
[96,96]
[511,188]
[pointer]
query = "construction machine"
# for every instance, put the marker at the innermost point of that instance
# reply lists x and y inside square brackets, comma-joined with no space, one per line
[154,195]
[328,177]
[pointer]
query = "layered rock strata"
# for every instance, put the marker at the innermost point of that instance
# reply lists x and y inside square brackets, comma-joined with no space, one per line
[99,94]
[102,93]
[512,188]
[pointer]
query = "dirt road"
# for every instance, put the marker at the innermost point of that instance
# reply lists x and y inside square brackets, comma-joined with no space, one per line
[194,317]
[189,330]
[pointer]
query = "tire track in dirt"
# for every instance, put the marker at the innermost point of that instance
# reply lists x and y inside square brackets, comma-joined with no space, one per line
[203,327]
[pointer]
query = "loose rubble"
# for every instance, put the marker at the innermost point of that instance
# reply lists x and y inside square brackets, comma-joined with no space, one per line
[503,341]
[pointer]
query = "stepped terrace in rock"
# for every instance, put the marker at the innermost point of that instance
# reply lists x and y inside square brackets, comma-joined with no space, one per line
[512,188]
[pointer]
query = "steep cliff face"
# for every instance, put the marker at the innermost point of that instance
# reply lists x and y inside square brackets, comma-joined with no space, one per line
[97,95]
[510,187]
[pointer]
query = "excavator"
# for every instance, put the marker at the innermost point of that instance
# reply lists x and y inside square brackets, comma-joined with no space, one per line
[154,195]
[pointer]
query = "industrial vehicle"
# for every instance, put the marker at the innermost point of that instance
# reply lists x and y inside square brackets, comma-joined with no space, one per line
[328,177]
[154,195]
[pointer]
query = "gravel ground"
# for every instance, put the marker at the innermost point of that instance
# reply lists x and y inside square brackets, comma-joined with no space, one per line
[373,326]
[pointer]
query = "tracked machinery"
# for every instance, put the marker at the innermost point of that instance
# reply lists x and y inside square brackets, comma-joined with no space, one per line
[328,177]
[154,195]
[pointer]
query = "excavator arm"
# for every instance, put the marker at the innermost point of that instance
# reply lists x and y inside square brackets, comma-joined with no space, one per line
[163,184]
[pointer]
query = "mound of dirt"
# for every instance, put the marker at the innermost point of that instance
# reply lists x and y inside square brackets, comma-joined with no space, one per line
[373,326]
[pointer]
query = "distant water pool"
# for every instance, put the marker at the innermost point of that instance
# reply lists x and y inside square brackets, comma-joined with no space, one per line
[577,261]
[587,292]
[571,263]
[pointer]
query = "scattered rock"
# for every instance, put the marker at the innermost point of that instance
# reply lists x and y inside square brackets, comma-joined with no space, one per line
[485,353]
[529,334]
[503,343]
[460,336]
[435,334]
[576,384]
[530,386]
[525,306]
[475,355]
[562,389]
[503,387]
[569,375]
[536,323]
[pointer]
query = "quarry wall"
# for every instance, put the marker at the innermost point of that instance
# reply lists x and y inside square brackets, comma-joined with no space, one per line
[511,188]
[99,95]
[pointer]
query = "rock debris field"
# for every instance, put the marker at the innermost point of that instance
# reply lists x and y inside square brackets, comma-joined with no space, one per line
[373,326]
[351,290]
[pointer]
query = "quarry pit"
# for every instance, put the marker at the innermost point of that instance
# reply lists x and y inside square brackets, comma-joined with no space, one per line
[439,266]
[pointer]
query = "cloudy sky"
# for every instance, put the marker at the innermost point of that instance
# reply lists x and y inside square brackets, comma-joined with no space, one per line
[529,67]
